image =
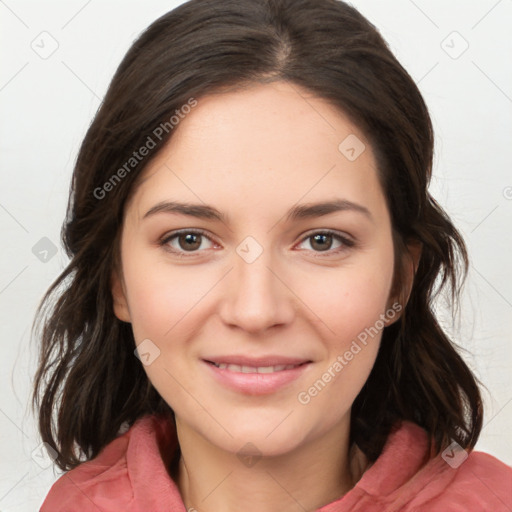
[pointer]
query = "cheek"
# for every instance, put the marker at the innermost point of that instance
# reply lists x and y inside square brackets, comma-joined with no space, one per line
[158,307]
[354,297]
[355,320]
[161,294]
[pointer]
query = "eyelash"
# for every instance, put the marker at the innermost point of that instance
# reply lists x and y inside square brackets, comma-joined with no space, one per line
[347,243]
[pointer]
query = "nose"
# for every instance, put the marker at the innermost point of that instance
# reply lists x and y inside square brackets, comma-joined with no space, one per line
[257,296]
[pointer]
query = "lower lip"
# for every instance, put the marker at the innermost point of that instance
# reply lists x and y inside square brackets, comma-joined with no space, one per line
[256,383]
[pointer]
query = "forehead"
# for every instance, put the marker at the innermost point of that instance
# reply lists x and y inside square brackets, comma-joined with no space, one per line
[279,116]
[267,143]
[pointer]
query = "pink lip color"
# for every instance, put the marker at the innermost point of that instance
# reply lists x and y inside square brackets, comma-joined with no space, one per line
[256,383]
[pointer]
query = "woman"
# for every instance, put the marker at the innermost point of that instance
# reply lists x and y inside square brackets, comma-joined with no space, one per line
[246,321]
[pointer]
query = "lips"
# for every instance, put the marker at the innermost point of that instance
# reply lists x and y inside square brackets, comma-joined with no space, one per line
[264,364]
[256,375]
[254,369]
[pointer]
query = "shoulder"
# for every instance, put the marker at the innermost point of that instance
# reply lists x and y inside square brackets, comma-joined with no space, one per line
[479,482]
[407,478]
[85,487]
[118,478]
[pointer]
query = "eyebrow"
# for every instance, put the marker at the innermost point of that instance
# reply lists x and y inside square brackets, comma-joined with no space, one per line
[304,211]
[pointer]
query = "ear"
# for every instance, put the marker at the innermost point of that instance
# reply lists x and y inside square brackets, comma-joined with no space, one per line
[412,260]
[409,266]
[119,297]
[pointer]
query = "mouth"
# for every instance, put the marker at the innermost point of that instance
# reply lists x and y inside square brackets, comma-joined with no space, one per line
[260,376]
[255,369]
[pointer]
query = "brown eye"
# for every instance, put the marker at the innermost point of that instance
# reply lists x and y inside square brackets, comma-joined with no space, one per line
[189,242]
[183,242]
[322,242]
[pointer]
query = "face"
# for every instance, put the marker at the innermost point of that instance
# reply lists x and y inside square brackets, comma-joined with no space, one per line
[288,301]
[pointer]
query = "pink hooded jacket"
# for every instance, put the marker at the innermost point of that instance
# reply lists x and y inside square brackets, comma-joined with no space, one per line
[130,476]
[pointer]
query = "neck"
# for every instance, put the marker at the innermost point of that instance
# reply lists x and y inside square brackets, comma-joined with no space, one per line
[213,480]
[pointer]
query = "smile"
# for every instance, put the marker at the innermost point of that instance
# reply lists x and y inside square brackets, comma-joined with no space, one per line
[262,377]
[254,369]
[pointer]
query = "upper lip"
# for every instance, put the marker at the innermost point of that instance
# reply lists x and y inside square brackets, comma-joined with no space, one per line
[257,362]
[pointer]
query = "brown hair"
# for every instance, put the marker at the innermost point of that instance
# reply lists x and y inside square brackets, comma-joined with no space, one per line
[89,382]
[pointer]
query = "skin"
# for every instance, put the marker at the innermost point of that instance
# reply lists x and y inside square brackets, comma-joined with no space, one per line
[253,154]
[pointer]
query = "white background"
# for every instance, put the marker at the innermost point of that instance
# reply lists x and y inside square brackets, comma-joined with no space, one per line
[47,105]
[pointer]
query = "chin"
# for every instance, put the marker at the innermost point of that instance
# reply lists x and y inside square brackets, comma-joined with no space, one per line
[270,438]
